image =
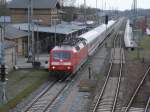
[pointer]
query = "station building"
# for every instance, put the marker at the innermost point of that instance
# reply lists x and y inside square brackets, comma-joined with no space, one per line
[47,11]
[46,37]
[12,44]
[47,25]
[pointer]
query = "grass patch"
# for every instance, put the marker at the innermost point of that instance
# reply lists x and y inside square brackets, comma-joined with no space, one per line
[145,42]
[37,77]
[99,76]
[144,45]
[134,55]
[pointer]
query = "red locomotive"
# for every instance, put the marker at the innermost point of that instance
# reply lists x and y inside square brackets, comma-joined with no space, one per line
[72,54]
[68,57]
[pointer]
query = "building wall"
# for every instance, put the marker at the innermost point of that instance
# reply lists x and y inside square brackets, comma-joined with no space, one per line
[10,58]
[48,16]
[20,46]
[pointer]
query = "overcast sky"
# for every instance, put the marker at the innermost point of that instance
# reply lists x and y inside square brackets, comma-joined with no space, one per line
[115,4]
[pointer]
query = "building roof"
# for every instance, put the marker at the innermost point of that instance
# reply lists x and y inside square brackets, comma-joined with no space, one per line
[13,33]
[64,28]
[37,4]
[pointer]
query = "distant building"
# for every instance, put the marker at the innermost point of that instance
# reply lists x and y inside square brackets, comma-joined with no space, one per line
[5,19]
[47,11]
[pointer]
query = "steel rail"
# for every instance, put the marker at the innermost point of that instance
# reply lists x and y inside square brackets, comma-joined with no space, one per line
[50,103]
[120,76]
[106,81]
[147,105]
[39,96]
[48,88]
[137,90]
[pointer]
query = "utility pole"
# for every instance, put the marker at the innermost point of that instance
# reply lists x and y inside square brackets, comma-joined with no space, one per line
[97,16]
[134,11]
[36,22]
[2,55]
[102,11]
[85,12]
[31,40]
[55,35]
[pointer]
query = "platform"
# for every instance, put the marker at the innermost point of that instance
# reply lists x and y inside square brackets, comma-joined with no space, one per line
[22,62]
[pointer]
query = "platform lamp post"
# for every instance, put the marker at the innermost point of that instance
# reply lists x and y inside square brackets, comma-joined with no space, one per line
[55,35]
[31,41]
[36,22]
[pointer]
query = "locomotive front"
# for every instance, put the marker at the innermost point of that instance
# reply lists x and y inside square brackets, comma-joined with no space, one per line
[60,61]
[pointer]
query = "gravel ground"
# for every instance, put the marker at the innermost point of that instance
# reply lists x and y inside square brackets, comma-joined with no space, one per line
[133,73]
[113,73]
[20,84]
[27,100]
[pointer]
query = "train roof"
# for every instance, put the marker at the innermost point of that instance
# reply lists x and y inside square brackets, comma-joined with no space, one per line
[62,47]
[89,36]
[73,41]
[128,36]
[72,44]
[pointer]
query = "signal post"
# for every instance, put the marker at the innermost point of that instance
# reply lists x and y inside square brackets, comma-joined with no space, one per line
[3,83]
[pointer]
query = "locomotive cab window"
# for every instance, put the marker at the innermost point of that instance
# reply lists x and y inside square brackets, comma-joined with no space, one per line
[61,55]
[84,43]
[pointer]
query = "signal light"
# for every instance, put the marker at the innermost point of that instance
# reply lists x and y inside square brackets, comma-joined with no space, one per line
[106,19]
[68,67]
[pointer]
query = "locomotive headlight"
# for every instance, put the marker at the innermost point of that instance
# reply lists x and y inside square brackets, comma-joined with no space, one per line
[53,67]
[68,67]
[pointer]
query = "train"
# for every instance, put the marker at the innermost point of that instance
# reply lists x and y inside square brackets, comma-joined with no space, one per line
[128,36]
[67,58]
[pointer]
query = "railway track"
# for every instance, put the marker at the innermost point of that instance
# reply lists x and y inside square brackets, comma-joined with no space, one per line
[129,107]
[46,98]
[107,99]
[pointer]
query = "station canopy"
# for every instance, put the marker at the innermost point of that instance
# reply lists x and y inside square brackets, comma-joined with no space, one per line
[63,28]
[13,33]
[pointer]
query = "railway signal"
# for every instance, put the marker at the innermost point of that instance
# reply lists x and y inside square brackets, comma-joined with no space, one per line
[3,73]
[2,63]
[106,19]
[2,55]
[2,68]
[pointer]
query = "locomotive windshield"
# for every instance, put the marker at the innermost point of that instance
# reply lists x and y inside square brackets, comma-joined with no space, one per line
[61,55]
